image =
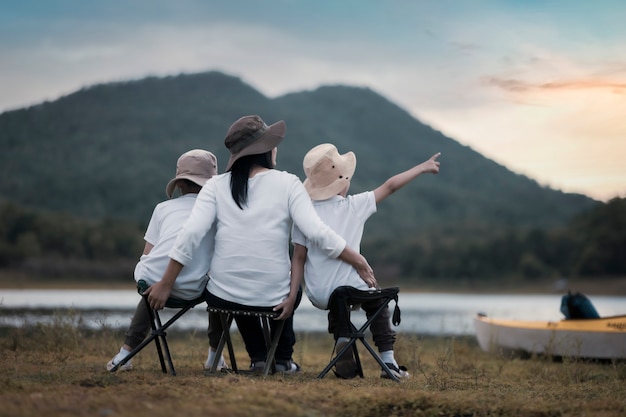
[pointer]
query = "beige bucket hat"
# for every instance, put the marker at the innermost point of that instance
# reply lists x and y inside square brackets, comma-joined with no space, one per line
[327,172]
[196,165]
[250,136]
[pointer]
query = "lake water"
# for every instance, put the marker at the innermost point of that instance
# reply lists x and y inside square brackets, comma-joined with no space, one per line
[422,313]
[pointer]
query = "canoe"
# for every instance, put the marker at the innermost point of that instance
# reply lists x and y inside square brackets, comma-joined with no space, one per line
[599,338]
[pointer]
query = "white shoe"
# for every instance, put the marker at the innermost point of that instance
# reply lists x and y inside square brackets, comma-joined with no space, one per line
[288,367]
[399,372]
[221,366]
[126,367]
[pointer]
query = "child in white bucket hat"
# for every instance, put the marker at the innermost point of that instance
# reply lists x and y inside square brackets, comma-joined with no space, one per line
[193,169]
[328,176]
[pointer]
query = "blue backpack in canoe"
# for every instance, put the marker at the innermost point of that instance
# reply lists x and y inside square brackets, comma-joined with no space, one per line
[578,306]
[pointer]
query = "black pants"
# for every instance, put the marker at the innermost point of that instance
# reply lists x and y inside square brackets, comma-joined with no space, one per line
[339,306]
[252,332]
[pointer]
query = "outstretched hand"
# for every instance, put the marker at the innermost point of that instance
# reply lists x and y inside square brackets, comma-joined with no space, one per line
[432,165]
[393,184]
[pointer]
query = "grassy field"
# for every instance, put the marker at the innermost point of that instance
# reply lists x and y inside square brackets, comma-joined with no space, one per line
[57,370]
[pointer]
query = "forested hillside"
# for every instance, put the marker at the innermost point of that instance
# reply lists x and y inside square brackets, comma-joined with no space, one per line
[107,152]
[80,176]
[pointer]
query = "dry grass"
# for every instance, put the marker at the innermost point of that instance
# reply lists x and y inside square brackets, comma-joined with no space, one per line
[57,370]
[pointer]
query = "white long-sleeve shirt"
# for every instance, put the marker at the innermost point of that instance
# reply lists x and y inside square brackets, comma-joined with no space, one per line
[251,259]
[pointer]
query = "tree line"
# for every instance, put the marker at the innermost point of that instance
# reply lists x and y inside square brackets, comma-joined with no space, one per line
[593,244]
[55,245]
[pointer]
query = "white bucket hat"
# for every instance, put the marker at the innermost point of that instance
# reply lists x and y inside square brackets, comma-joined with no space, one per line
[327,172]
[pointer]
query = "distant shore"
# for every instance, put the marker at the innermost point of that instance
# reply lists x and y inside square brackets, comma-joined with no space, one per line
[600,286]
[604,286]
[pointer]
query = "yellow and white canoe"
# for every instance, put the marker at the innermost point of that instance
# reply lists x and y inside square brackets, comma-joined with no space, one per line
[602,338]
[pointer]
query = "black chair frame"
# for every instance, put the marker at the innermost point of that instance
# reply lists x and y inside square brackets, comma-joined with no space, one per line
[226,318]
[388,295]
[158,332]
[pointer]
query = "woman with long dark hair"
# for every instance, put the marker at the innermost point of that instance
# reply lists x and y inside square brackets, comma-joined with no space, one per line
[253,207]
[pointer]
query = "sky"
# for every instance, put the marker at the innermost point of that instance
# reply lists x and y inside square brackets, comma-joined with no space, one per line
[537,86]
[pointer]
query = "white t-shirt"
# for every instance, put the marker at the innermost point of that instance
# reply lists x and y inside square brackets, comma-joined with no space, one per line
[167,220]
[251,261]
[346,216]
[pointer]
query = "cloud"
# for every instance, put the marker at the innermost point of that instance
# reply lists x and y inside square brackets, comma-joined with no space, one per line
[521,86]
[567,133]
[538,87]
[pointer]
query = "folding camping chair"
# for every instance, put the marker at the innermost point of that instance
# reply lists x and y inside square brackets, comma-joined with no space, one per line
[158,333]
[353,296]
[226,318]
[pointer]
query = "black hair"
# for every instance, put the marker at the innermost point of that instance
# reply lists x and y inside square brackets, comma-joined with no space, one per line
[240,172]
[189,183]
[188,186]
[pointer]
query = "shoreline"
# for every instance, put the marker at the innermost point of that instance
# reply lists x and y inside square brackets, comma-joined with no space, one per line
[605,287]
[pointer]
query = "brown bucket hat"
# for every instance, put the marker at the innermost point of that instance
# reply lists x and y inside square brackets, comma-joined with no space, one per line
[327,172]
[250,136]
[196,165]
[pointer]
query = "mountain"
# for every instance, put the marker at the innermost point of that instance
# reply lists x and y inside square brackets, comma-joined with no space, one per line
[107,151]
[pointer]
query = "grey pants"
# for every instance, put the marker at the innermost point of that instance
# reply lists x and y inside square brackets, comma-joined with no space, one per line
[140,327]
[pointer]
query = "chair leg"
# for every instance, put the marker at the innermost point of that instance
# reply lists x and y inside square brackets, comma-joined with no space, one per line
[132,353]
[154,333]
[218,353]
[153,336]
[379,360]
[359,334]
[357,359]
[350,345]
[161,338]
[226,320]
[270,361]
[271,342]
[158,335]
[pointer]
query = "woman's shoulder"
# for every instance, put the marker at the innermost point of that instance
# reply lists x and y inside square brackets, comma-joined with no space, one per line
[282,175]
[219,178]
[279,180]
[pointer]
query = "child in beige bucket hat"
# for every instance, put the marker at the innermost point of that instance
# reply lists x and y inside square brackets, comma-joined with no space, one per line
[196,165]
[193,169]
[328,176]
